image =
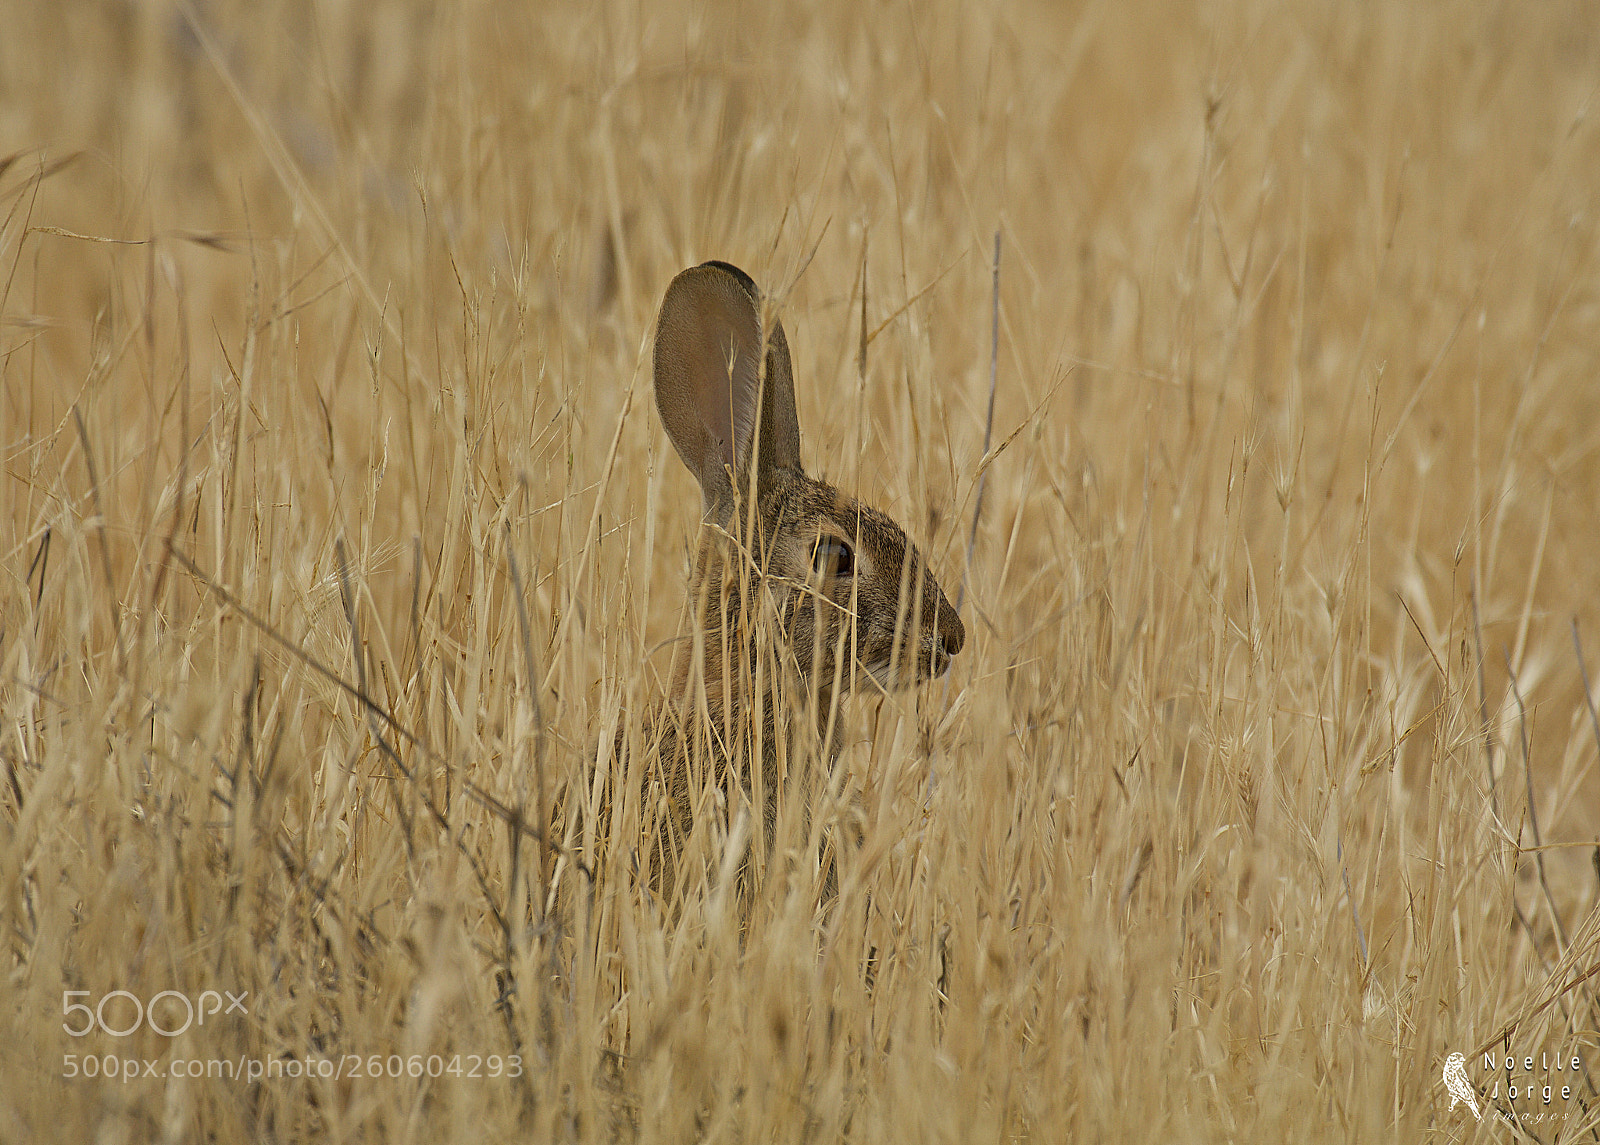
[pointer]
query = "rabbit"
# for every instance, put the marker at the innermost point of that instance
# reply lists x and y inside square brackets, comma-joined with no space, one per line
[799,593]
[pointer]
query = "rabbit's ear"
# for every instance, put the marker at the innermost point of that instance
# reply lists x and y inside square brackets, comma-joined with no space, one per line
[709,381]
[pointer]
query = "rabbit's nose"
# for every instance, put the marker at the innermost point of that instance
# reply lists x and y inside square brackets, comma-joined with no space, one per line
[952,633]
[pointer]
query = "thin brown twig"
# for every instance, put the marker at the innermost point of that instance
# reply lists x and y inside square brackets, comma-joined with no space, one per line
[1533,812]
[529,666]
[112,603]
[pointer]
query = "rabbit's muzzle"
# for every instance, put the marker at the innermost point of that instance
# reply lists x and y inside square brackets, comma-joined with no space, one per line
[899,649]
[947,639]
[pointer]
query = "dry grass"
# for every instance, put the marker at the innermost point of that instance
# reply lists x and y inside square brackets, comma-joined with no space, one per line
[332,332]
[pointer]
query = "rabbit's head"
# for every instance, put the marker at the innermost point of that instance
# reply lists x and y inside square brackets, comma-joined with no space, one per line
[855,599]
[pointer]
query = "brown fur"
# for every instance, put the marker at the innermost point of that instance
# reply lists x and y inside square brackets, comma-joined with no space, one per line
[775,640]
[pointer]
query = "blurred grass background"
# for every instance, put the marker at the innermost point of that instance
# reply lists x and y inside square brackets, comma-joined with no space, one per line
[1268,775]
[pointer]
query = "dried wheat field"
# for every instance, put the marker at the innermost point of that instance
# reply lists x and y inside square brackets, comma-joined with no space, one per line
[340,538]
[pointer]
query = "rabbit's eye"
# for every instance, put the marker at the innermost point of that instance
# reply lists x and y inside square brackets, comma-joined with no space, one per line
[833,557]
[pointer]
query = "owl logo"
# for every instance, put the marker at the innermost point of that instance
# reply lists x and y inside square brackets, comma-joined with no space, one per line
[1461,1091]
